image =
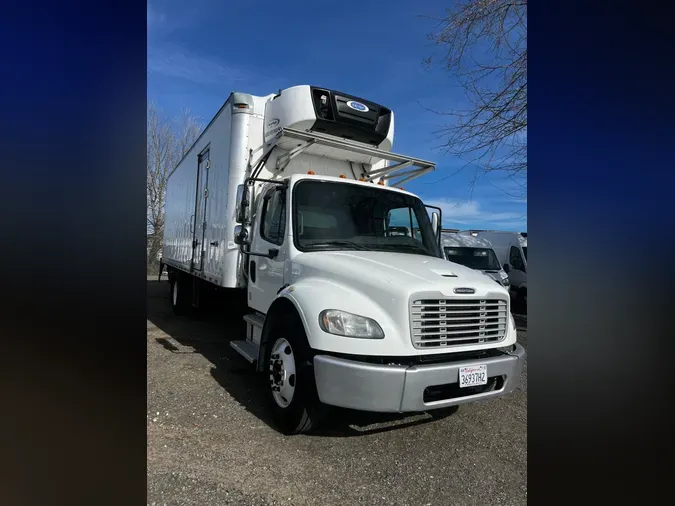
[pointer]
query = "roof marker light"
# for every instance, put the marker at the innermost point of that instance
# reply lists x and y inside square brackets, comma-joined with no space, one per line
[342,176]
[310,172]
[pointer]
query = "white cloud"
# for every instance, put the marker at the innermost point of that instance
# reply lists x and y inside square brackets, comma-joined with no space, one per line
[160,24]
[175,61]
[471,214]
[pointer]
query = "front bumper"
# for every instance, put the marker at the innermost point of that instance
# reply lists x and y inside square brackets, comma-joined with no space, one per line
[400,388]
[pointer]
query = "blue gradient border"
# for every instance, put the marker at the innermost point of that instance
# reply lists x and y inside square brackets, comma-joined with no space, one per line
[72,202]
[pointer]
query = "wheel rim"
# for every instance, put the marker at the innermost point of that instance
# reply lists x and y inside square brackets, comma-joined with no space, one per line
[282,372]
[174,293]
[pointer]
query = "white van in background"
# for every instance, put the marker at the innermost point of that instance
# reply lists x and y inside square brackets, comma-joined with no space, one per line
[511,250]
[473,252]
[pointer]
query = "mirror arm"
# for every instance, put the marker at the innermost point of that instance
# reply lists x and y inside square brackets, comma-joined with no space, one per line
[271,254]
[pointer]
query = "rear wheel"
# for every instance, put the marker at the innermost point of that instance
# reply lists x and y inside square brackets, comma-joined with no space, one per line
[292,398]
[179,293]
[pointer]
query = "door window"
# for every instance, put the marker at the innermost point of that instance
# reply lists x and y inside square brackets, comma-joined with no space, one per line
[516,260]
[274,217]
[402,221]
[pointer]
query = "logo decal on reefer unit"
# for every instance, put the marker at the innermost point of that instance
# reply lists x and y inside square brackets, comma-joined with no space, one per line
[464,290]
[358,106]
[273,123]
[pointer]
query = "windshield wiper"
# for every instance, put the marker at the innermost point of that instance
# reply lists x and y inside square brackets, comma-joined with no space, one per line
[339,243]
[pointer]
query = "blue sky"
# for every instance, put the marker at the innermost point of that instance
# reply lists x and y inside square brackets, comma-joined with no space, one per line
[199,51]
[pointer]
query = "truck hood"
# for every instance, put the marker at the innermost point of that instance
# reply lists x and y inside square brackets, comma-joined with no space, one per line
[401,273]
[381,286]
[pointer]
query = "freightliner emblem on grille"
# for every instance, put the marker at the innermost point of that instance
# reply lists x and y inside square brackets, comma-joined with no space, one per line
[464,290]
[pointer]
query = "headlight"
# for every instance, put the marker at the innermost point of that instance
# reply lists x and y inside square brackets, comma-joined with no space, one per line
[506,282]
[346,324]
[503,282]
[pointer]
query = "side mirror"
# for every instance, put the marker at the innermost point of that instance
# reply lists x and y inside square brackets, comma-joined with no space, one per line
[507,268]
[244,198]
[240,198]
[241,235]
[435,222]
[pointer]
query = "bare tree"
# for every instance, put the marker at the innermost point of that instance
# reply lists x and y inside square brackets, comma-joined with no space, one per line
[485,47]
[168,140]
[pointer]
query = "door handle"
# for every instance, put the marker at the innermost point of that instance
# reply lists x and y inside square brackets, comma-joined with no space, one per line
[214,243]
[251,270]
[192,224]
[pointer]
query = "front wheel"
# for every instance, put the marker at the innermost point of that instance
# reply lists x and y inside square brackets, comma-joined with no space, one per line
[291,393]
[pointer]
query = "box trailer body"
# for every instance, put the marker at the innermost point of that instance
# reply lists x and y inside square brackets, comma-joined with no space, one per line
[295,201]
[474,252]
[201,194]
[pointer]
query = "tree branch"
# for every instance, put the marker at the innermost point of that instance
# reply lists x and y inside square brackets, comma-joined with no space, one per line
[486,50]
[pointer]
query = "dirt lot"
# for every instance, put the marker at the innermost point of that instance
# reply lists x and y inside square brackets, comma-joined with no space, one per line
[210,443]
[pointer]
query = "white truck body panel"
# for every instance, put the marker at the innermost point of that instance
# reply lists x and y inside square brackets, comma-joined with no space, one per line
[227,139]
[226,165]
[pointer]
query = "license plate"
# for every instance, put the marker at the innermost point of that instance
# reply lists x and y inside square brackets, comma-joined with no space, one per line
[472,376]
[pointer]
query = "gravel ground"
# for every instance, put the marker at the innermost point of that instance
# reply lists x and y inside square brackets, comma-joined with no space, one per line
[210,442]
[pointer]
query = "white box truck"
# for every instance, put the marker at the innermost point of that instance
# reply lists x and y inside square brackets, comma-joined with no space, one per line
[294,200]
[511,249]
[473,252]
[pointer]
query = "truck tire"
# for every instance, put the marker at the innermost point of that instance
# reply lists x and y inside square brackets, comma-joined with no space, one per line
[179,293]
[292,399]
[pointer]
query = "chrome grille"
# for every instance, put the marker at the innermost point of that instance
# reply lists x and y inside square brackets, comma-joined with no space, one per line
[452,322]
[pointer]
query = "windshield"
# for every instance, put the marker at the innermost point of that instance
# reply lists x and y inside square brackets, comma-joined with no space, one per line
[525,252]
[343,216]
[482,259]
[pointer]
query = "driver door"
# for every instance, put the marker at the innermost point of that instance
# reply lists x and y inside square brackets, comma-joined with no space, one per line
[266,275]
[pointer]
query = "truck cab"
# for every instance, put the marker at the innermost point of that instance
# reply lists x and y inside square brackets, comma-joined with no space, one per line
[377,316]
